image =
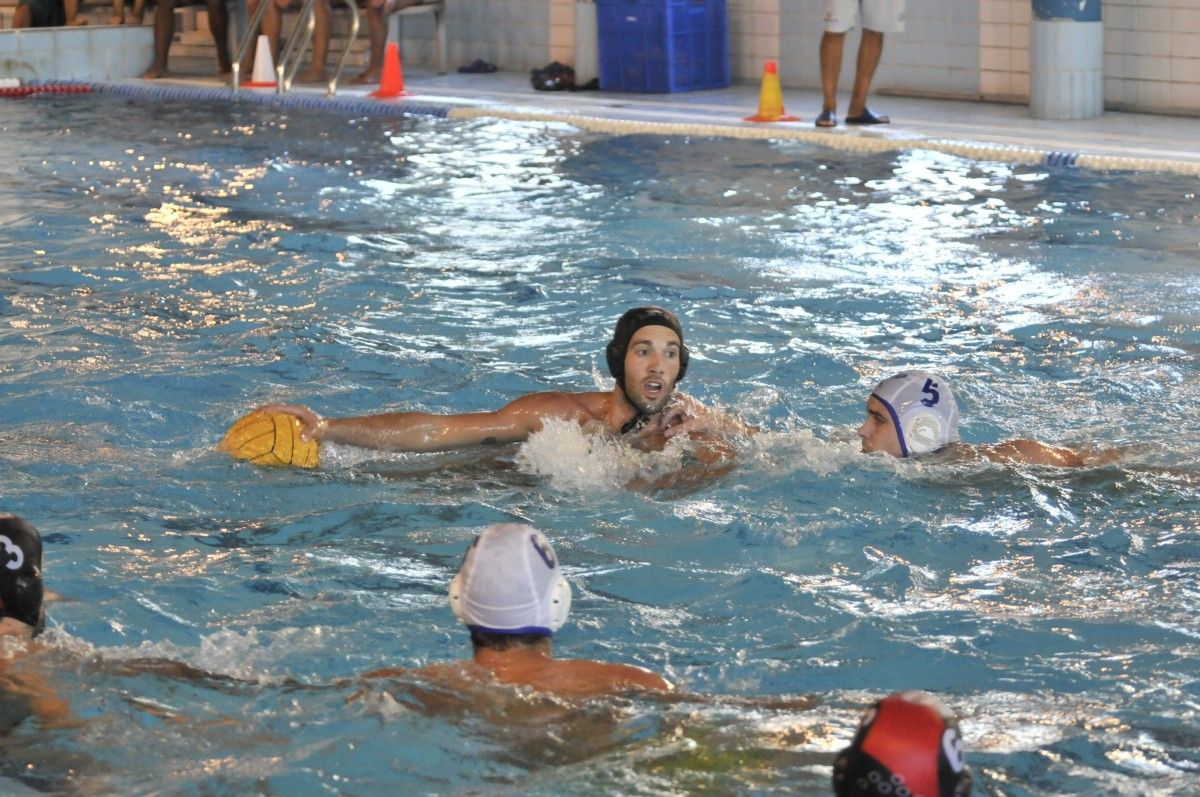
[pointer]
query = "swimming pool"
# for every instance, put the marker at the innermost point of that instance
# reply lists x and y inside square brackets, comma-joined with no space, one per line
[163,269]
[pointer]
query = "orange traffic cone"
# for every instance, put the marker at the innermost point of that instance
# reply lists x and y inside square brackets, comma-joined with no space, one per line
[770,99]
[391,81]
[264,67]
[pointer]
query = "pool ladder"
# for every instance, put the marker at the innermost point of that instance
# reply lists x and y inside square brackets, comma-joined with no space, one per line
[294,47]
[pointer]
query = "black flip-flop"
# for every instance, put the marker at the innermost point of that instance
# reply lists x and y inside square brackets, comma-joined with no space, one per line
[826,119]
[867,118]
[478,66]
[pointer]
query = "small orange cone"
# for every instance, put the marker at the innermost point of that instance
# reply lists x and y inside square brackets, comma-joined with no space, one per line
[391,81]
[264,67]
[770,99]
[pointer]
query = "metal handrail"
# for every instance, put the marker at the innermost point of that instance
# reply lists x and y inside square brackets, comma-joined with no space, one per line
[293,50]
[248,35]
[337,70]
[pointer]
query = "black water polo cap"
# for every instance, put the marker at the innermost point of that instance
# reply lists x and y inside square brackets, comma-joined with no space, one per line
[21,589]
[631,322]
[908,745]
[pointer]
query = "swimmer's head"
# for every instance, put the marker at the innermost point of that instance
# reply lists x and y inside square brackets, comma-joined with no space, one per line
[21,572]
[510,583]
[910,413]
[645,401]
[907,743]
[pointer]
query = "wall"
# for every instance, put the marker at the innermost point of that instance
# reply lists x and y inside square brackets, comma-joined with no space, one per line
[107,53]
[1152,55]
[513,34]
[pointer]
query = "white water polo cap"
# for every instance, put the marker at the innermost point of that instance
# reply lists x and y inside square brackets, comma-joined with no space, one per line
[510,583]
[923,411]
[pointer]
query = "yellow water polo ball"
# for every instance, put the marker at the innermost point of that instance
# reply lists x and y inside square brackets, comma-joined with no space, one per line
[271,438]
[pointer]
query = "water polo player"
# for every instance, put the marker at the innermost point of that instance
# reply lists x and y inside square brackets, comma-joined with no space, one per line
[512,597]
[907,744]
[21,591]
[647,357]
[914,413]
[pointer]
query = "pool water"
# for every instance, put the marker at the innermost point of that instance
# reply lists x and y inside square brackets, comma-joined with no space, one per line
[164,268]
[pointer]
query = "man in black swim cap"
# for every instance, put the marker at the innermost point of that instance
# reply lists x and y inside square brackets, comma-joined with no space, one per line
[21,592]
[650,390]
[646,356]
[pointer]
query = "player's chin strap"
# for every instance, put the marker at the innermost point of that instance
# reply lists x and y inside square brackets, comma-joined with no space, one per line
[636,423]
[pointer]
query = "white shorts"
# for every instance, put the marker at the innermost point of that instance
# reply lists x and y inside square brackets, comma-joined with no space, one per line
[885,16]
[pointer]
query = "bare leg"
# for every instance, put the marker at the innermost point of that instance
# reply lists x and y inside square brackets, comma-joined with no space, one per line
[831,66]
[164,31]
[272,21]
[218,23]
[118,14]
[138,11]
[71,11]
[320,45]
[377,38]
[247,70]
[22,17]
[869,51]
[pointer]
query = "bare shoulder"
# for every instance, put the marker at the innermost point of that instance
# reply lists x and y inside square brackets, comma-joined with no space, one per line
[560,404]
[610,677]
[1031,452]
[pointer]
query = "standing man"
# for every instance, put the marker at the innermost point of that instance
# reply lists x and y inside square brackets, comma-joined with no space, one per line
[878,17]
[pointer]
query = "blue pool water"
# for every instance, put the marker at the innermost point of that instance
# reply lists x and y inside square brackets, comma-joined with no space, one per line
[164,268]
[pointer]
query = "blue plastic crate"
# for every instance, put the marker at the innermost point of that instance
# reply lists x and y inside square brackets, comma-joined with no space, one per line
[662,45]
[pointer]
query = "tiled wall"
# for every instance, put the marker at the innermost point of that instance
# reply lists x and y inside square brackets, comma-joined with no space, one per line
[75,53]
[1004,49]
[513,34]
[1152,54]
[754,37]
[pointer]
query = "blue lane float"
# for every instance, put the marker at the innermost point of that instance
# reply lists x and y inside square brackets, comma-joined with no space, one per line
[1061,159]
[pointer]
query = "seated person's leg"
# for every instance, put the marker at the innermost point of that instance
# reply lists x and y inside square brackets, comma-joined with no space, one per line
[22,16]
[118,13]
[272,20]
[218,24]
[376,13]
[164,31]
[71,9]
[320,44]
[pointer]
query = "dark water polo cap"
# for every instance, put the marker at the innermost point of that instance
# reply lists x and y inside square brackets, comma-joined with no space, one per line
[631,322]
[908,745]
[21,589]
